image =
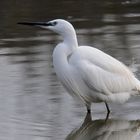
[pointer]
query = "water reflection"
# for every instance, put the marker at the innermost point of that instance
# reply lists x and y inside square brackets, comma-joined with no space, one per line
[106,130]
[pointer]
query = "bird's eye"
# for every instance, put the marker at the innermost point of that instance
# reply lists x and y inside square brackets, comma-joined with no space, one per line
[54,23]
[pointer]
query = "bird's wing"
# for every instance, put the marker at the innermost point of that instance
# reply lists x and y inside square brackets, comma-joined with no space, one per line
[101,71]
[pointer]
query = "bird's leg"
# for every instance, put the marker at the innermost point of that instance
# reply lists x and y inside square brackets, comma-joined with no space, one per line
[88,109]
[107,107]
[108,111]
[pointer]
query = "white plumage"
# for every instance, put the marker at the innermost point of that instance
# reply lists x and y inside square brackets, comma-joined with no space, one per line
[89,73]
[86,72]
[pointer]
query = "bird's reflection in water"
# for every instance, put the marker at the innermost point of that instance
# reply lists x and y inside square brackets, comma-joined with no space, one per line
[106,130]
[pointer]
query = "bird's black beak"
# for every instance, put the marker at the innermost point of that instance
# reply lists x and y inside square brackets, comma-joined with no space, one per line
[36,23]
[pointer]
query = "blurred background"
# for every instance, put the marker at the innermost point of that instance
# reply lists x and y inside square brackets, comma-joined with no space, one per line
[33,104]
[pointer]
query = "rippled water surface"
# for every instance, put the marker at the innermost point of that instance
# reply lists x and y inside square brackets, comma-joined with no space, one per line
[33,104]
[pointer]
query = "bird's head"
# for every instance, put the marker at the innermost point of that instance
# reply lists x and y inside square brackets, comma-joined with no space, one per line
[59,26]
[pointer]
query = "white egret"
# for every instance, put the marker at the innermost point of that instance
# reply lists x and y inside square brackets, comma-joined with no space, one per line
[86,72]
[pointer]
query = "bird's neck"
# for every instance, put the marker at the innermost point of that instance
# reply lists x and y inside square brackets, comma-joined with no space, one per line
[64,50]
[70,40]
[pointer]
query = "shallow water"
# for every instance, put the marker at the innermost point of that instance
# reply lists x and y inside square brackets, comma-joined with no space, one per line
[33,104]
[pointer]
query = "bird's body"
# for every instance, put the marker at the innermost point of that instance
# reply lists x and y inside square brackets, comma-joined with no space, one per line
[88,73]
[92,75]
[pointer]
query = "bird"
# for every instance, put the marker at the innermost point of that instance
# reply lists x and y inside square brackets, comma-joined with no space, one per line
[87,73]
